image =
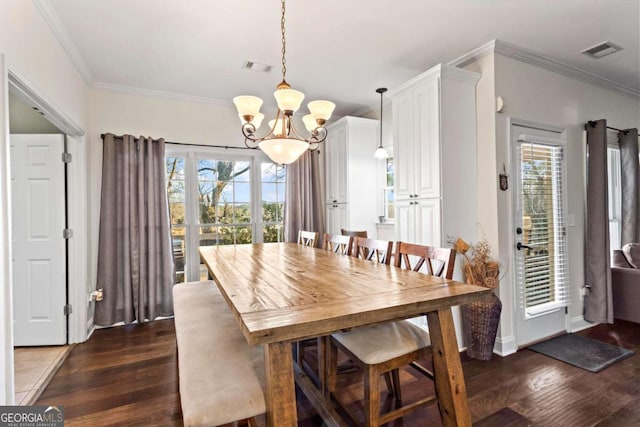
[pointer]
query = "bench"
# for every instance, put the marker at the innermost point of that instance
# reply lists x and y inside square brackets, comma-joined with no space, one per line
[222,378]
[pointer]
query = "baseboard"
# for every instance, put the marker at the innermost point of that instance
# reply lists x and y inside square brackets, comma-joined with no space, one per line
[578,324]
[505,346]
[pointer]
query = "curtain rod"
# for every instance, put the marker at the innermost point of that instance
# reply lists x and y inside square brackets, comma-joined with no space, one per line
[102,135]
[593,124]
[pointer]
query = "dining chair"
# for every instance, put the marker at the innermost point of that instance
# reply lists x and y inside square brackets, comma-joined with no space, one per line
[373,250]
[353,233]
[307,238]
[337,243]
[383,348]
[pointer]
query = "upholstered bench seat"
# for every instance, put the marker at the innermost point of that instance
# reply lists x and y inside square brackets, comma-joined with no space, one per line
[222,378]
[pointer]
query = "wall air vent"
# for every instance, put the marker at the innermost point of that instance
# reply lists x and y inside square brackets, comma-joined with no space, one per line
[256,66]
[601,49]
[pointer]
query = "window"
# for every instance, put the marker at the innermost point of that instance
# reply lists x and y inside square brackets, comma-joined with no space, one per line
[615,212]
[389,197]
[273,187]
[541,264]
[217,199]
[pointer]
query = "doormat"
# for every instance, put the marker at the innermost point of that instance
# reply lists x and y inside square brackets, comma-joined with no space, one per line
[505,417]
[582,352]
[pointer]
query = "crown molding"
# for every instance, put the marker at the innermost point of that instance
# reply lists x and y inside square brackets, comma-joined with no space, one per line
[51,18]
[530,57]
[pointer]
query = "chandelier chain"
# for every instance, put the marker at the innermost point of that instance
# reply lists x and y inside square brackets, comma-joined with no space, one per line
[284,43]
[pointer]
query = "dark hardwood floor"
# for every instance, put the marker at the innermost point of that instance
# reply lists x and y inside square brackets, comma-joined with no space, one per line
[127,376]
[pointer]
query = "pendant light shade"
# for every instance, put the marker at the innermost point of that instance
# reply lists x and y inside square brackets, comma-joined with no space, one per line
[381,152]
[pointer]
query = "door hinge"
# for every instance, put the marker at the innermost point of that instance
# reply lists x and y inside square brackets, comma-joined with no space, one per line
[67,233]
[67,309]
[66,157]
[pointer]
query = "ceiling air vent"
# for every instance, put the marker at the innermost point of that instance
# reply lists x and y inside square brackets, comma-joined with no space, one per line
[601,49]
[256,66]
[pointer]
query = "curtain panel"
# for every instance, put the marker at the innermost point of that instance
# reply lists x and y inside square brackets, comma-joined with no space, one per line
[135,262]
[598,305]
[303,203]
[630,186]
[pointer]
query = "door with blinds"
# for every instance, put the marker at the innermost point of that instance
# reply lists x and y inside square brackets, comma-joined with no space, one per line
[541,273]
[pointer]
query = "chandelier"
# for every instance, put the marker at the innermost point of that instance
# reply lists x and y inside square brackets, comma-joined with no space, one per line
[283,143]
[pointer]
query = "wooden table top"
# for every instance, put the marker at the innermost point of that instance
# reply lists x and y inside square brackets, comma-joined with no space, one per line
[287,292]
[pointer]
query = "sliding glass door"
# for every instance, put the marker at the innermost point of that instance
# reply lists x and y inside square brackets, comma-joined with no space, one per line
[218,199]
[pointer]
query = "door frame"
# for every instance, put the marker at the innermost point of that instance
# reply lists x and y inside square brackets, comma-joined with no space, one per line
[78,287]
[562,136]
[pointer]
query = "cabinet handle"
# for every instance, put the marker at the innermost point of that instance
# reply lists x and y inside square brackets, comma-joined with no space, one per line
[411,196]
[415,195]
[335,201]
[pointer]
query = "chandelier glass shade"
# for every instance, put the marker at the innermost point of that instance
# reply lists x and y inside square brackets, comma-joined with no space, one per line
[283,143]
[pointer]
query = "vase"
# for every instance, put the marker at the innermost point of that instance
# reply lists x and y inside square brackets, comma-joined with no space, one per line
[480,321]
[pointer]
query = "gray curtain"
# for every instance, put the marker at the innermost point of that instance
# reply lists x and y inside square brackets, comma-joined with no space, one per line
[303,205]
[598,303]
[630,186]
[135,262]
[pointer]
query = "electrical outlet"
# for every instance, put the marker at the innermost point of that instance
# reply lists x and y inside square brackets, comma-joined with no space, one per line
[96,295]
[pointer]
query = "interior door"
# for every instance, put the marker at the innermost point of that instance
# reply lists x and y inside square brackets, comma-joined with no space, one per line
[38,221]
[541,272]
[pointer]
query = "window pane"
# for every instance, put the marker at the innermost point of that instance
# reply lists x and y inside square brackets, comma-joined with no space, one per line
[269,193]
[268,172]
[242,193]
[243,235]
[225,236]
[242,172]
[224,214]
[242,213]
[272,233]
[174,167]
[281,190]
[178,242]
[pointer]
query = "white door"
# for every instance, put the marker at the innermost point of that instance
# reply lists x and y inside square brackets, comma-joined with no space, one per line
[541,272]
[38,221]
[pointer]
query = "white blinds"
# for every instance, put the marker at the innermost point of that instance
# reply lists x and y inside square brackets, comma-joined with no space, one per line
[542,262]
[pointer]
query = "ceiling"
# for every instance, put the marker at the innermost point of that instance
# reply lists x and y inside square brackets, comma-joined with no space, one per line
[340,50]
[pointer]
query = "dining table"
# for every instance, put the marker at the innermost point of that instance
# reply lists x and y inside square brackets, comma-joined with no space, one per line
[281,293]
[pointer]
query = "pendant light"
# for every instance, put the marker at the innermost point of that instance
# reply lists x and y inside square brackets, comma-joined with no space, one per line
[381,153]
[283,143]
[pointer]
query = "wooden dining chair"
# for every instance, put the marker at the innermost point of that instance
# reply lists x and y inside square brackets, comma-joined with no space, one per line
[373,250]
[386,347]
[353,233]
[307,238]
[337,243]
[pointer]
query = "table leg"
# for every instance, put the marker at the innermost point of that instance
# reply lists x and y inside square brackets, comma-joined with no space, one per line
[449,378]
[281,395]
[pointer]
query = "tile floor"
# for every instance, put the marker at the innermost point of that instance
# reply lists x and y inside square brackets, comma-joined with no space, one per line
[34,368]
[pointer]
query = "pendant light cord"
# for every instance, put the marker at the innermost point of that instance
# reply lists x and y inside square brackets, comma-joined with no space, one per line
[284,43]
[381,91]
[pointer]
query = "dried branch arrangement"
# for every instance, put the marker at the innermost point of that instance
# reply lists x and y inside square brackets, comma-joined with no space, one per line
[479,268]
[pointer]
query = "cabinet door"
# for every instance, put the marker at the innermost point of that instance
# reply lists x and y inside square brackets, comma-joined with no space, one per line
[337,217]
[427,222]
[405,221]
[403,137]
[336,168]
[426,149]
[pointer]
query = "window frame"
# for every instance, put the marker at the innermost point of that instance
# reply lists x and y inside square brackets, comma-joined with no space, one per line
[191,155]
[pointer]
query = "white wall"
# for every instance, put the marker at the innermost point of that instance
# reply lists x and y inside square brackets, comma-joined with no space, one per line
[33,53]
[535,94]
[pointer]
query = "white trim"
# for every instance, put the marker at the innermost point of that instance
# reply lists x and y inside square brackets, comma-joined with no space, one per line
[78,283]
[578,324]
[29,94]
[163,94]
[50,16]
[505,346]
[6,306]
[530,57]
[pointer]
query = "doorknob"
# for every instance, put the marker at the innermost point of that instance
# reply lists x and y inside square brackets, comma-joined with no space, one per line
[520,246]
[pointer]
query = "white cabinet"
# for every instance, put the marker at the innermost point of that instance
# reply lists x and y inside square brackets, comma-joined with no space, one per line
[337,217]
[350,169]
[434,132]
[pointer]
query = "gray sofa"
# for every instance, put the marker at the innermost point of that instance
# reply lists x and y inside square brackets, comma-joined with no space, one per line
[625,283]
